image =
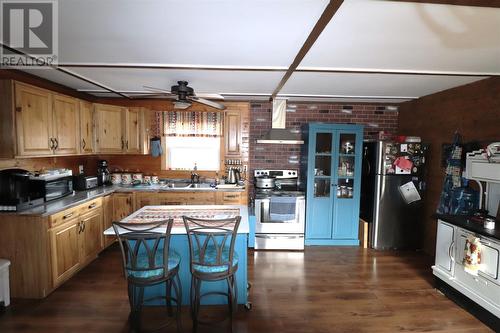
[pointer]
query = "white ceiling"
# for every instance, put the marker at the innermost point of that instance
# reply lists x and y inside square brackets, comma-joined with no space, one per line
[364,34]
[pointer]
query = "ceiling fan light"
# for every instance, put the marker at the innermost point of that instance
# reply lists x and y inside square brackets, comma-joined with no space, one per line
[181,105]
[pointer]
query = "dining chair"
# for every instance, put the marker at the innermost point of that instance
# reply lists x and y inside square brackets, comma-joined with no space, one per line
[148,261]
[212,258]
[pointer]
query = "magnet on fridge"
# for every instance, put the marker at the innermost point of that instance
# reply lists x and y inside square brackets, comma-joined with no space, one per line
[403,148]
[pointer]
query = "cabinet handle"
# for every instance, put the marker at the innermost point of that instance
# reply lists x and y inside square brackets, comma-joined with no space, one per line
[93,205]
[57,143]
[450,251]
[83,226]
[67,216]
[79,227]
[126,144]
[83,144]
[123,143]
[51,143]
[19,109]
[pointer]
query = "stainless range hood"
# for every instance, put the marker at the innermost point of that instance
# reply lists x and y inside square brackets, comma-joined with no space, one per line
[278,133]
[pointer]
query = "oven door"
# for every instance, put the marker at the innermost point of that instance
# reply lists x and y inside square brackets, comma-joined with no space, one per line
[58,188]
[264,223]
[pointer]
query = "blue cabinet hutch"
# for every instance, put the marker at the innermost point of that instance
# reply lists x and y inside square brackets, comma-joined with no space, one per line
[331,170]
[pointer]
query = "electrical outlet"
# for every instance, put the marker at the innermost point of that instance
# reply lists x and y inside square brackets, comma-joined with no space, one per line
[80,169]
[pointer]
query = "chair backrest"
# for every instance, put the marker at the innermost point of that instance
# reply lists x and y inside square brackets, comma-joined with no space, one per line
[140,241]
[216,235]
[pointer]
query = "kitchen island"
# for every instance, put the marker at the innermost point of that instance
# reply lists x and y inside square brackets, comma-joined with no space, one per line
[179,242]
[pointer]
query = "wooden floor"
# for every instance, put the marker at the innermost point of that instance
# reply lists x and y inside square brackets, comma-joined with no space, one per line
[324,289]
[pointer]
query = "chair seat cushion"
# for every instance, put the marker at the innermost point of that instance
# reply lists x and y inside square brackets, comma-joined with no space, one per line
[174,260]
[211,259]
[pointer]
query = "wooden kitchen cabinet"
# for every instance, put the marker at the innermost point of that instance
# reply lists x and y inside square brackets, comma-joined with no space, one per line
[186,198]
[65,250]
[91,235]
[189,198]
[123,205]
[170,198]
[110,123]
[75,239]
[146,199]
[107,219]
[34,121]
[133,131]
[122,130]
[230,198]
[232,133]
[66,117]
[86,128]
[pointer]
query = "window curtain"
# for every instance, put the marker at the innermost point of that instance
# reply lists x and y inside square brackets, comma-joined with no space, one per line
[182,123]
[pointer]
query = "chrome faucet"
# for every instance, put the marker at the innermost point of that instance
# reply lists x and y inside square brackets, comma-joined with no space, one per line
[195,178]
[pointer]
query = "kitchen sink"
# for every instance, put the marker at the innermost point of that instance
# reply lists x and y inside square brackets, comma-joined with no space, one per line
[178,185]
[199,185]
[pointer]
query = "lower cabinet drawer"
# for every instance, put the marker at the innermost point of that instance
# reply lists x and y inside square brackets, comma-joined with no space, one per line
[479,285]
[90,206]
[63,217]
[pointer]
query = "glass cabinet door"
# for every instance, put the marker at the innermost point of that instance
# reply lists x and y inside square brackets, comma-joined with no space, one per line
[323,165]
[346,165]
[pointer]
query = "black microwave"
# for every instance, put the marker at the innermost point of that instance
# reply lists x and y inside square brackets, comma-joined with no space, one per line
[58,188]
[56,183]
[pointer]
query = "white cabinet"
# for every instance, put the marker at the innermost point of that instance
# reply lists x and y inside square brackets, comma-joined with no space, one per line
[445,248]
[484,289]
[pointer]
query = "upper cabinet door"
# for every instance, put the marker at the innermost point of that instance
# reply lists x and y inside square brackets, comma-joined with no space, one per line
[34,121]
[133,126]
[232,133]
[86,128]
[66,124]
[110,128]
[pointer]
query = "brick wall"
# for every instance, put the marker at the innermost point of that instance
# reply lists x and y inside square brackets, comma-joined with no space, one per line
[375,118]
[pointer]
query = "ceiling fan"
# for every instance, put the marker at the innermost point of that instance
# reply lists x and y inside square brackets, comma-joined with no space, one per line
[184,96]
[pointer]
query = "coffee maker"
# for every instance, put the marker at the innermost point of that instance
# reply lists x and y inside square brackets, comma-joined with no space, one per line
[103,177]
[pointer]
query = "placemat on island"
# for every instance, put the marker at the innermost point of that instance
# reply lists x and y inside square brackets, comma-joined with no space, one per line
[159,214]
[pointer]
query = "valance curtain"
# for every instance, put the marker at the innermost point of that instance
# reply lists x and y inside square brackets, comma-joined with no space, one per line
[182,123]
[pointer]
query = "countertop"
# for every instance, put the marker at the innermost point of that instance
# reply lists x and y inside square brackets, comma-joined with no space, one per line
[178,228]
[465,222]
[79,197]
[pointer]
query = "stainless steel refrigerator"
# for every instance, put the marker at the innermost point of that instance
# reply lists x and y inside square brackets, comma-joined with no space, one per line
[392,193]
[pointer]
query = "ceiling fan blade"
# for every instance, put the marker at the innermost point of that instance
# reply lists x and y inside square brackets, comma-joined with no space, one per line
[207,102]
[165,91]
[210,96]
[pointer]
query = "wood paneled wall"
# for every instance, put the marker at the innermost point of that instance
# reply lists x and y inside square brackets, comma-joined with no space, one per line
[35,164]
[473,110]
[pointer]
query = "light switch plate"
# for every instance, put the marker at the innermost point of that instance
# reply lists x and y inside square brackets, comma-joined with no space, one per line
[80,169]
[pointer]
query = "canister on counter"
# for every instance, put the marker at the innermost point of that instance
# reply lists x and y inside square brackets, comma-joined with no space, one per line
[137,176]
[116,178]
[126,178]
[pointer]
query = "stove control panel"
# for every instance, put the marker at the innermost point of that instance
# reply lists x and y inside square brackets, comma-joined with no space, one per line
[278,174]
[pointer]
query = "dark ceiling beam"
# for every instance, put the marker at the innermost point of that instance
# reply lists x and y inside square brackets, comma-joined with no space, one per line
[320,25]
[63,70]
[473,3]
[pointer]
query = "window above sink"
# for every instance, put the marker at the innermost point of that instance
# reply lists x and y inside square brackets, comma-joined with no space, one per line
[182,153]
